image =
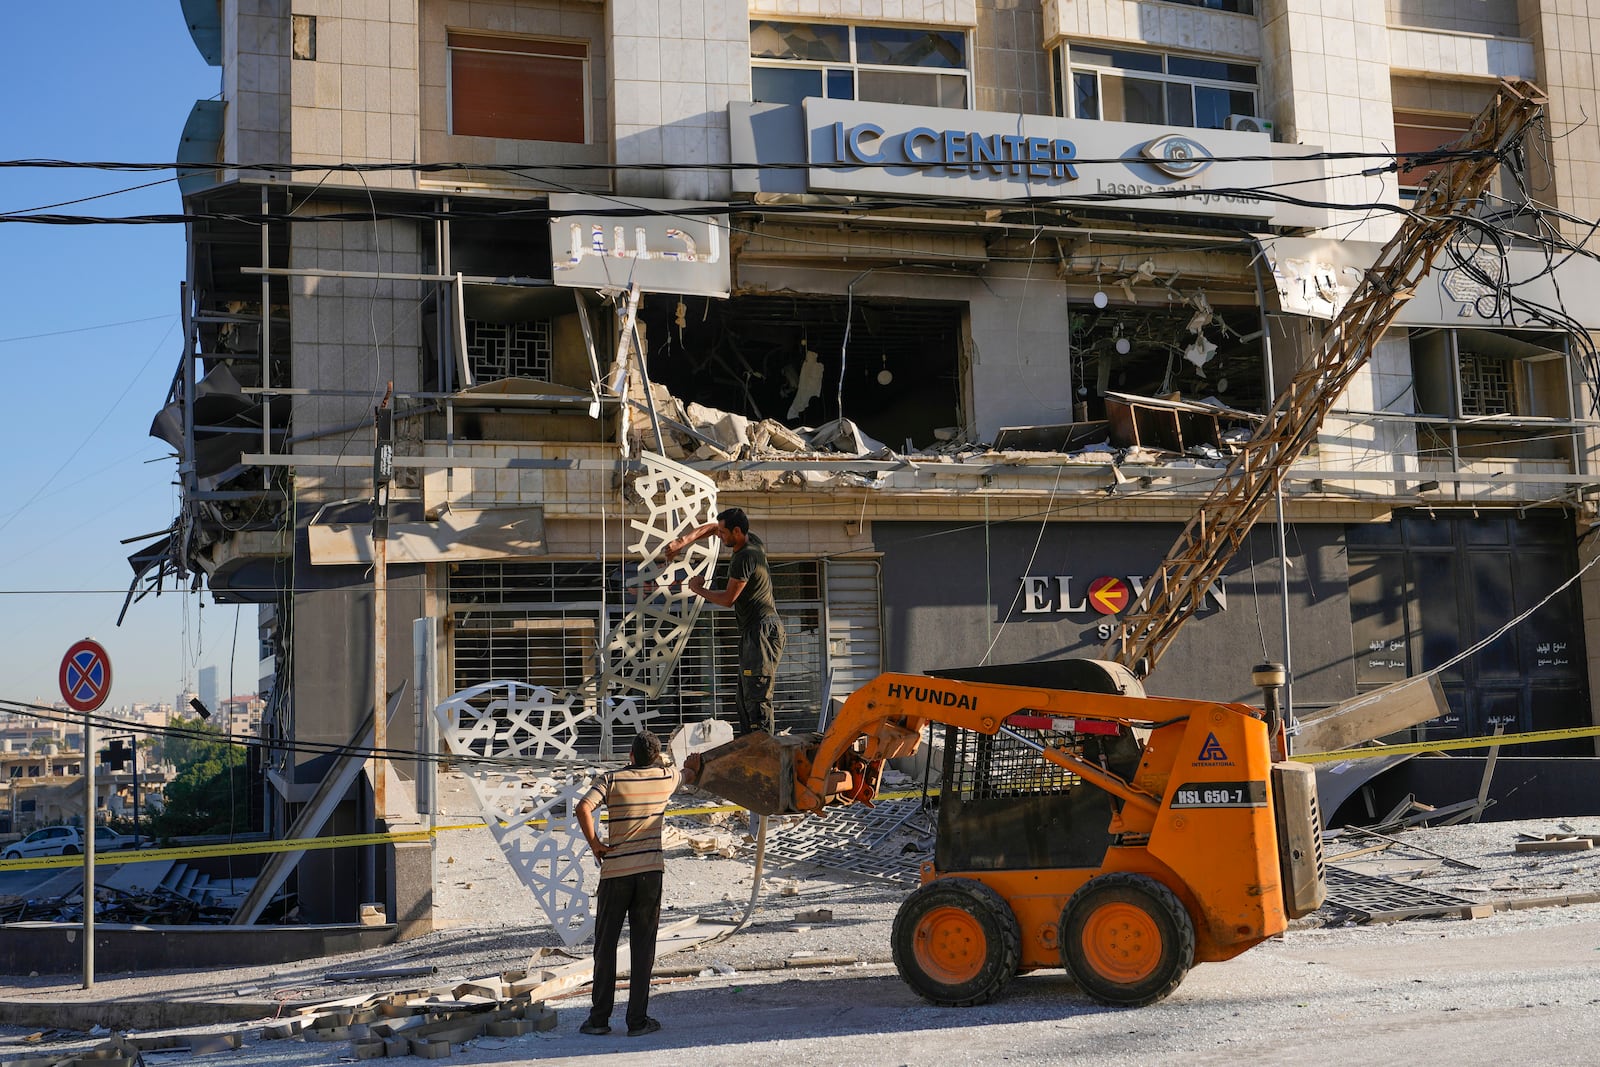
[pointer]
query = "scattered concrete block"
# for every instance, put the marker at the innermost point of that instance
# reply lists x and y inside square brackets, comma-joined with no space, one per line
[509,1028]
[424,1048]
[814,915]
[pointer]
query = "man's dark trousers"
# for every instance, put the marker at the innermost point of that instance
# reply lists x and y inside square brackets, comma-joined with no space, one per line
[637,898]
[760,649]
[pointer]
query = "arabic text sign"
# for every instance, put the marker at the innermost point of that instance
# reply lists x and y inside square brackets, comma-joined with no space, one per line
[662,246]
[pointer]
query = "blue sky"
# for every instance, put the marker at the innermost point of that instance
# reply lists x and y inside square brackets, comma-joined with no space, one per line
[89,340]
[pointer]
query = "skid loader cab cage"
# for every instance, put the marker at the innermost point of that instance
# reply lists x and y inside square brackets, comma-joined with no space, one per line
[1003,807]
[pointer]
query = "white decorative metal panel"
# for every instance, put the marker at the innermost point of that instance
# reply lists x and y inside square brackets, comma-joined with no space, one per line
[535,821]
[646,644]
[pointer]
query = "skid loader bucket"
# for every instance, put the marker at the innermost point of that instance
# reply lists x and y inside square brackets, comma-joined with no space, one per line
[756,771]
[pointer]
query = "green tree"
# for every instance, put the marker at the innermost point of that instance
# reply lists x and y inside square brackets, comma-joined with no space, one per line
[210,793]
[189,741]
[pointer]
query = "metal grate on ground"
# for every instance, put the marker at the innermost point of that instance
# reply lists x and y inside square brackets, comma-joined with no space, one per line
[850,839]
[1374,899]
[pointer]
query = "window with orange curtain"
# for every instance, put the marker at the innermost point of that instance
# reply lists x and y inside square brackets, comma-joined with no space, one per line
[1416,131]
[520,88]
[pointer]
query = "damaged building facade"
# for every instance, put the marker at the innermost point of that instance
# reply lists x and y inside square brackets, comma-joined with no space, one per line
[978,300]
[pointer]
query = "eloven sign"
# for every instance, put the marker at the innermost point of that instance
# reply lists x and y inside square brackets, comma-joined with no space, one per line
[1043,594]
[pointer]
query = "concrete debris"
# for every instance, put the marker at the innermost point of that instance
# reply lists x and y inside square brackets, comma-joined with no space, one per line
[156,906]
[1166,431]
[814,915]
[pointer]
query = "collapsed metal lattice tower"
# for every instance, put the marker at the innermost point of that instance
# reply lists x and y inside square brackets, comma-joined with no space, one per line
[1223,519]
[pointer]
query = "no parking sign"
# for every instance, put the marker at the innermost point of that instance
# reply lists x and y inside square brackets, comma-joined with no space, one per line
[85,676]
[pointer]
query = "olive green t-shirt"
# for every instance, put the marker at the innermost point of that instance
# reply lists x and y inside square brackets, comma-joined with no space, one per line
[755,600]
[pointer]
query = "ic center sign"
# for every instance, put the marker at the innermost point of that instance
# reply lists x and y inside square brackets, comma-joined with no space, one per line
[852,146]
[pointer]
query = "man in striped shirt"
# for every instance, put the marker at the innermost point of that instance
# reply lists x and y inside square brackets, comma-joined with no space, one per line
[631,867]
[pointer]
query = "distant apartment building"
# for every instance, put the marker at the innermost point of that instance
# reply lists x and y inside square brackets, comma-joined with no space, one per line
[955,260]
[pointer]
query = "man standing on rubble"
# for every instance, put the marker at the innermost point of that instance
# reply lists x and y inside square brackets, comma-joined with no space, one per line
[631,868]
[749,593]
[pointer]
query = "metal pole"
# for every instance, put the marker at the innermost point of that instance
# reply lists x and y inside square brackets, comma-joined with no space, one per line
[133,743]
[88,852]
[382,475]
[266,343]
[425,650]
[1277,498]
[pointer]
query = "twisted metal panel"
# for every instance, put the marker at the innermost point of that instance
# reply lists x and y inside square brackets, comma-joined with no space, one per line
[534,821]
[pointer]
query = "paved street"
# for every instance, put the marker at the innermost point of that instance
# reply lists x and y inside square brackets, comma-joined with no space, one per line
[1520,986]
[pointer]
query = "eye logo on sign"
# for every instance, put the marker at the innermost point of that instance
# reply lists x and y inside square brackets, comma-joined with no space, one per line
[1176,156]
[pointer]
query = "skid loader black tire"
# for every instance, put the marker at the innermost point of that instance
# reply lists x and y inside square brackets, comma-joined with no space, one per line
[956,942]
[1126,939]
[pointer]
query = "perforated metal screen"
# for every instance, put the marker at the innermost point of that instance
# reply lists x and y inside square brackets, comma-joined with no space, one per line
[541,623]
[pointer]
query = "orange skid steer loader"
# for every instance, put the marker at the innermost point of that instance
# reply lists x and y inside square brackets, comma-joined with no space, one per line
[1082,824]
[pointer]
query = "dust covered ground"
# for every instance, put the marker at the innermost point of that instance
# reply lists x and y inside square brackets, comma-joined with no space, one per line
[1518,983]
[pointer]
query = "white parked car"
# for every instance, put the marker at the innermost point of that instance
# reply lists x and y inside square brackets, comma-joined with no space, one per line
[64,841]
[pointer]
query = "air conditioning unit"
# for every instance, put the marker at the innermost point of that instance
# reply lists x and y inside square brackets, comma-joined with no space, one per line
[1249,124]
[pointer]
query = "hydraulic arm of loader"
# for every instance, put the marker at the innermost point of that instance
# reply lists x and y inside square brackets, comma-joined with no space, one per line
[1220,524]
[884,720]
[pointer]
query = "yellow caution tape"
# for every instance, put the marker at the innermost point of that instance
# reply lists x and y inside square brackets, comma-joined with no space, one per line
[249,848]
[1444,745]
[239,848]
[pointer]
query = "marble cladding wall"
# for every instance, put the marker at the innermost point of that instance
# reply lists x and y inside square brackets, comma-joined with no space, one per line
[1155,23]
[350,336]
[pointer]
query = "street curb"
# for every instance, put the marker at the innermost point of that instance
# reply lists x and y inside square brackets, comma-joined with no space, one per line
[133,1014]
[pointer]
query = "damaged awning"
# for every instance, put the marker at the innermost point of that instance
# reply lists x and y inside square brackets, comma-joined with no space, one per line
[226,421]
[467,534]
[1315,276]
[155,557]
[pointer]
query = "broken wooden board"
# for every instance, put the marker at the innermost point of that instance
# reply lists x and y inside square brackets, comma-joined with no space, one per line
[1574,844]
[1372,715]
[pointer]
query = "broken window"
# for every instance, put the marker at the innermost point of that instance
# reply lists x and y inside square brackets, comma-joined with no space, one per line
[1416,131]
[1499,390]
[1124,85]
[790,61]
[520,88]
[896,365]
[1191,349]
[505,318]
[1430,114]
